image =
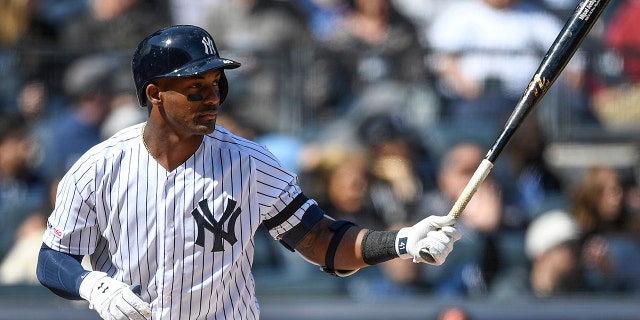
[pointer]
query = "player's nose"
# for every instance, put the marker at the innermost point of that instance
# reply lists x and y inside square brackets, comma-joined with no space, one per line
[212,95]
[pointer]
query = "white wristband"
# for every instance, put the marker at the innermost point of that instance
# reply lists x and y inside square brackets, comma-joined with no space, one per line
[86,286]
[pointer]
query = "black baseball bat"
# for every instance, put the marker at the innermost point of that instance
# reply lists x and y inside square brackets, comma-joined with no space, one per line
[559,54]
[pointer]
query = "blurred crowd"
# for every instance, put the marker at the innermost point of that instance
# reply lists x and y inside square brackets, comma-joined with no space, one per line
[384,108]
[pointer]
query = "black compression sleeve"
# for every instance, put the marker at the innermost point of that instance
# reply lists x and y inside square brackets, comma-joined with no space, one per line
[60,272]
[378,246]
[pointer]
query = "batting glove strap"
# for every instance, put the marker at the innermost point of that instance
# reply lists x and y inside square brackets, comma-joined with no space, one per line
[90,280]
[112,299]
[401,243]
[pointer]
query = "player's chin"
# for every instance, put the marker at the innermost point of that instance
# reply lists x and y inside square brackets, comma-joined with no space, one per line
[203,126]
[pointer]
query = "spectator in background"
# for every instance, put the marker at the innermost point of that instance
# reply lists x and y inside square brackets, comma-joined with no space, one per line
[485,250]
[553,253]
[610,251]
[20,263]
[530,183]
[339,178]
[22,191]
[598,202]
[275,45]
[560,8]
[112,25]
[124,109]
[423,12]
[89,89]
[621,35]
[15,19]
[37,102]
[616,95]
[190,12]
[477,45]
[400,165]
[374,60]
[551,245]
[453,313]
[322,15]
[22,32]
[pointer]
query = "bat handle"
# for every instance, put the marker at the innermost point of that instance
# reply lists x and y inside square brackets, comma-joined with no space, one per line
[469,190]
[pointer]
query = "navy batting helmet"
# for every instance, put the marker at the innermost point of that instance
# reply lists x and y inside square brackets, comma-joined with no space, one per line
[177,51]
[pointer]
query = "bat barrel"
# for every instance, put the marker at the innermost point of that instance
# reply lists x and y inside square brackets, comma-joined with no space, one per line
[557,57]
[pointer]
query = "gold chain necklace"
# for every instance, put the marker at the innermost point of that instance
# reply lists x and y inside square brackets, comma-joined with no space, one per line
[144,141]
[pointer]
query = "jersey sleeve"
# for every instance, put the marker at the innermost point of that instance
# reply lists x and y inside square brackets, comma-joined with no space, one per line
[282,204]
[72,227]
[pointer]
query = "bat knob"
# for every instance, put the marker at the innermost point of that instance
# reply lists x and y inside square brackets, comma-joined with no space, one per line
[426,255]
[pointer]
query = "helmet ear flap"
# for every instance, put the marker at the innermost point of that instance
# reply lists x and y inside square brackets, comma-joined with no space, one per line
[224,87]
[142,96]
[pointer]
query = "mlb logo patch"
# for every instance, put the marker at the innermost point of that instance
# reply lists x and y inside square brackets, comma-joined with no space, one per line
[55,230]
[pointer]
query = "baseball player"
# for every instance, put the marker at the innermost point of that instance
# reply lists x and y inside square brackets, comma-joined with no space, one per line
[172,205]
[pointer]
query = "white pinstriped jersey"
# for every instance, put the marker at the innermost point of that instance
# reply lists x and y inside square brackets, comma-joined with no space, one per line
[144,225]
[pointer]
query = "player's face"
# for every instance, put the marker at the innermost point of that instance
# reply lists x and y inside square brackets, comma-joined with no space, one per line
[190,104]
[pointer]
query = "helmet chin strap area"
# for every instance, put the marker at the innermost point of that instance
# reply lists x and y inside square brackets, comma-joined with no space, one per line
[195,97]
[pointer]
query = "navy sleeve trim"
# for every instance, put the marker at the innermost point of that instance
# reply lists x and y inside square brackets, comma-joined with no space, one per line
[286,213]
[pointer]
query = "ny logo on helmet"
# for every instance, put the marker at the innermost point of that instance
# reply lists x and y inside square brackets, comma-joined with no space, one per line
[208,45]
[204,219]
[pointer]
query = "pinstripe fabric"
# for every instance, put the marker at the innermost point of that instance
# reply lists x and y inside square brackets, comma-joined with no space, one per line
[137,221]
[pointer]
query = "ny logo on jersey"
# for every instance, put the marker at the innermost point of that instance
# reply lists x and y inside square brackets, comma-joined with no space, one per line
[208,45]
[204,219]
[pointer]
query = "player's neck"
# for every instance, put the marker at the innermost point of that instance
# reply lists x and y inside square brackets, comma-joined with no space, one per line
[169,150]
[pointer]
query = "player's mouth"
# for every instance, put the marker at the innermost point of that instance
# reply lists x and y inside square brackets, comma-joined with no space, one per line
[208,115]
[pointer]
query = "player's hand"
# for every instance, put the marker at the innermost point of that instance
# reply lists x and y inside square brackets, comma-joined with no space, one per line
[434,234]
[112,299]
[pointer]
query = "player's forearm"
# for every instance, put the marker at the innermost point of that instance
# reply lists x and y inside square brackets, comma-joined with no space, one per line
[358,247]
[349,253]
[315,246]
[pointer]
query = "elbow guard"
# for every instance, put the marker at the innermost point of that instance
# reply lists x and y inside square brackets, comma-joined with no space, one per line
[339,228]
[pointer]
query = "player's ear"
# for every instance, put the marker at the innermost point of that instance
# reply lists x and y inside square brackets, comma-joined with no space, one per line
[153,93]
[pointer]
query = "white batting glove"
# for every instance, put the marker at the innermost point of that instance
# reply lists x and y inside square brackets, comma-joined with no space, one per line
[112,299]
[433,235]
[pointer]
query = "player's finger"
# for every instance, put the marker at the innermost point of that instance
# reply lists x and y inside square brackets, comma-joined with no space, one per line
[451,232]
[441,221]
[135,307]
[117,312]
[438,244]
[126,312]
